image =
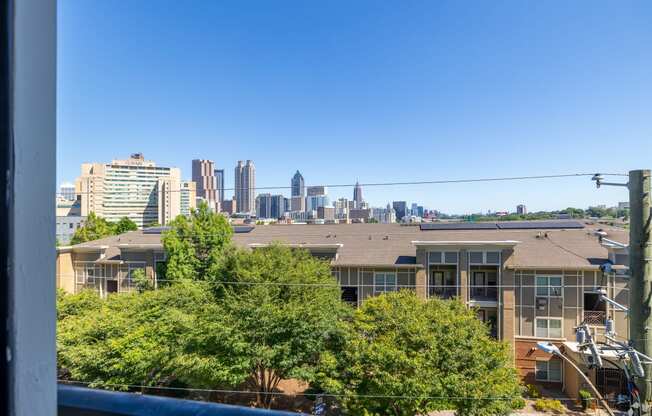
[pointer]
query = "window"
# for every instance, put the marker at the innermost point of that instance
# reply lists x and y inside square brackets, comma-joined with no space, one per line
[476,257]
[549,328]
[549,285]
[384,282]
[548,371]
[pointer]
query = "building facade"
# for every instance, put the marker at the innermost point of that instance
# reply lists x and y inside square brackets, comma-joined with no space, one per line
[67,191]
[298,186]
[245,187]
[357,195]
[219,179]
[187,197]
[134,188]
[401,209]
[521,209]
[203,174]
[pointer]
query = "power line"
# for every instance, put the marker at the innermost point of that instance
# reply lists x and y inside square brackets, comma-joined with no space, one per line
[401,183]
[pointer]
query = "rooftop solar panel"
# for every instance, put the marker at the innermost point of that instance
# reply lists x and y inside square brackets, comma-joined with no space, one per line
[503,225]
[155,230]
[241,229]
[535,225]
[458,226]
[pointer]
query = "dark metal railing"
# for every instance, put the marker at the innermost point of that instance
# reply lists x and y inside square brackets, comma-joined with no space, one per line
[484,293]
[81,401]
[597,318]
[443,292]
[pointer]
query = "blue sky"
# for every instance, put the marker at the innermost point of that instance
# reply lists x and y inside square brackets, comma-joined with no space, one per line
[368,90]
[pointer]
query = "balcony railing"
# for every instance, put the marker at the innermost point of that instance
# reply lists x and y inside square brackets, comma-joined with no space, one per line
[595,317]
[79,401]
[443,292]
[484,293]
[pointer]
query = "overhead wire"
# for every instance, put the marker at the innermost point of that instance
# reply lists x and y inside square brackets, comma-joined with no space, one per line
[397,183]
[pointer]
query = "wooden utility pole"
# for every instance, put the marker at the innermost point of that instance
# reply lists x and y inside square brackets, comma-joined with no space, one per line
[640,269]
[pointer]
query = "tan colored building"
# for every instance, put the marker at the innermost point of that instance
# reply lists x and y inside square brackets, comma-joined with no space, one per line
[529,281]
[134,188]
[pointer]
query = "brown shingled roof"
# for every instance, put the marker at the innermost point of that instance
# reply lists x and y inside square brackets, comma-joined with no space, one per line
[391,244]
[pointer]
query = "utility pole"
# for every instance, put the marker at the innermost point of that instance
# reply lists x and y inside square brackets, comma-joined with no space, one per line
[640,269]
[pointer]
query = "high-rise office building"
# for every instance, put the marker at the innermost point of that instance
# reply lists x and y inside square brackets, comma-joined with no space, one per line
[187,197]
[270,206]
[67,191]
[245,187]
[134,188]
[297,203]
[219,179]
[203,174]
[316,191]
[298,185]
[316,201]
[357,195]
[401,209]
[521,209]
[384,215]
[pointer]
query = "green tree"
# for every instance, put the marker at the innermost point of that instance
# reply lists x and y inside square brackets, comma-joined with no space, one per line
[93,229]
[155,338]
[124,225]
[196,246]
[407,356]
[141,280]
[286,307]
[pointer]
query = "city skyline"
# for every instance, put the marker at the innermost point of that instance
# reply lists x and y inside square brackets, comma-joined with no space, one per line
[226,192]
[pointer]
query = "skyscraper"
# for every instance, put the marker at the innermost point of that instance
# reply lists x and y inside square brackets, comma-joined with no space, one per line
[521,209]
[401,209]
[204,178]
[219,178]
[245,187]
[135,188]
[270,206]
[317,190]
[357,195]
[298,185]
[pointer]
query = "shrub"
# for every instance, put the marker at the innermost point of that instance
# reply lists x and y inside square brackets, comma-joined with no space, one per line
[585,398]
[532,391]
[549,405]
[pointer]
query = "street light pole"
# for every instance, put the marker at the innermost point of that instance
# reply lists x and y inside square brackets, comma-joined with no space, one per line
[552,349]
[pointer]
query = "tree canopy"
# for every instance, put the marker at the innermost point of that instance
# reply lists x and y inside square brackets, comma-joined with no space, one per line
[424,355]
[196,246]
[154,338]
[286,306]
[96,227]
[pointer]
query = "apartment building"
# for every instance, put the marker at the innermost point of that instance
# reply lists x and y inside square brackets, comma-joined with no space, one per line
[528,281]
[134,188]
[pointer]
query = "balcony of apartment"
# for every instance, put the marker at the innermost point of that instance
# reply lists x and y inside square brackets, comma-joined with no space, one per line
[105,276]
[442,282]
[595,310]
[483,285]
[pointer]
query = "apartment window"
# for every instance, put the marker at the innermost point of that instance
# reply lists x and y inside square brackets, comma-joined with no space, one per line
[442,257]
[548,371]
[549,285]
[476,257]
[549,328]
[384,282]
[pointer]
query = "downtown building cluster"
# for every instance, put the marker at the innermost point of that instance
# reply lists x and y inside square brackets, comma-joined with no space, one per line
[149,194]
